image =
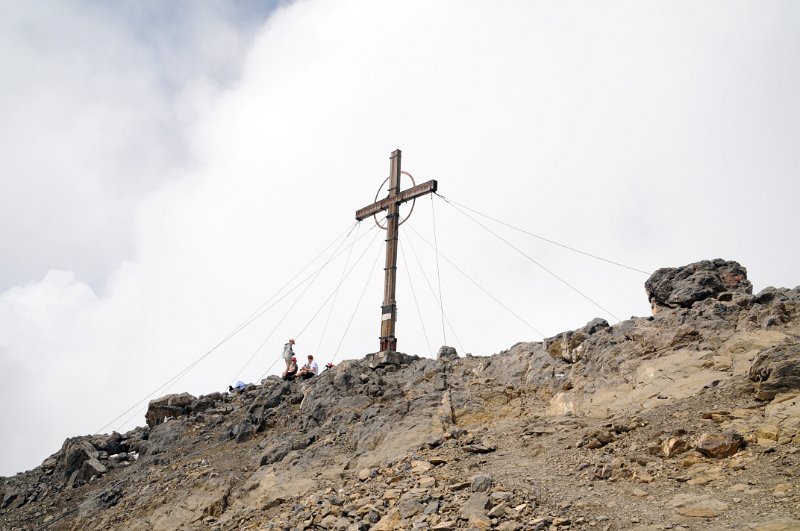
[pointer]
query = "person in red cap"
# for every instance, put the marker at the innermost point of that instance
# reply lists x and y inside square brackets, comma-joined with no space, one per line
[291,370]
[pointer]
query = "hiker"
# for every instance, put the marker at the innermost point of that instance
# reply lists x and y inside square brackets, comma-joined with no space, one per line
[291,371]
[288,353]
[309,369]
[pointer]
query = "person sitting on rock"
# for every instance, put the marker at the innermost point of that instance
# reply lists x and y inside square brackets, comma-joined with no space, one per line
[291,371]
[310,368]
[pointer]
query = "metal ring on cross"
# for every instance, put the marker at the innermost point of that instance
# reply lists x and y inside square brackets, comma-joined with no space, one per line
[413,201]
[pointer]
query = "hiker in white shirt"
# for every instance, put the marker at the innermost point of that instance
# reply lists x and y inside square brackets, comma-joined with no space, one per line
[309,369]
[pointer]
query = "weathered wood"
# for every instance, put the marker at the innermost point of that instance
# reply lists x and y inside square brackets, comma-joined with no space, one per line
[388,340]
[402,197]
[389,308]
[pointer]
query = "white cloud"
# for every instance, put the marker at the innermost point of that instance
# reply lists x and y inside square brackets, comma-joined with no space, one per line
[649,133]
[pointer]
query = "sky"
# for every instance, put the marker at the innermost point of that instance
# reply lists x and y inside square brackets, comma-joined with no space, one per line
[173,171]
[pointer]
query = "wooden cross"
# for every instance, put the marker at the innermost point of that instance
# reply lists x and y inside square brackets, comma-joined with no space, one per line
[392,203]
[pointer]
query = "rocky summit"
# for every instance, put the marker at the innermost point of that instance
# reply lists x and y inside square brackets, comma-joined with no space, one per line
[686,419]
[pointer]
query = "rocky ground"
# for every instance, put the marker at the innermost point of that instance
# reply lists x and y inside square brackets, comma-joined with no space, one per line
[689,419]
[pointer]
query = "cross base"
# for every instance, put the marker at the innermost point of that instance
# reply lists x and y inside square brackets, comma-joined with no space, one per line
[388,343]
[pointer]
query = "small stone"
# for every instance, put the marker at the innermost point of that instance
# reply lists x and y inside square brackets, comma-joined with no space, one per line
[674,446]
[420,467]
[426,482]
[781,490]
[409,507]
[447,525]
[497,510]
[767,431]
[639,493]
[391,494]
[459,486]
[481,483]
[690,459]
[603,471]
[480,521]
[328,522]
[478,448]
[431,508]
[364,474]
[697,506]
[477,503]
[389,521]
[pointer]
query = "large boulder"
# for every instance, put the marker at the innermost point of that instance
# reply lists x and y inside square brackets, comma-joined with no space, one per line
[76,451]
[168,406]
[776,370]
[680,287]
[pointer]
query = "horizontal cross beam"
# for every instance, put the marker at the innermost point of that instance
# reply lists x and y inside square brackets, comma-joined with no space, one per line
[402,197]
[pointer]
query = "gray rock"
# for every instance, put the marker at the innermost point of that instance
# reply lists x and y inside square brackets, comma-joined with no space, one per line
[168,406]
[276,453]
[76,451]
[409,507]
[432,507]
[10,497]
[90,468]
[776,370]
[673,287]
[389,358]
[477,503]
[447,353]
[481,483]
[162,438]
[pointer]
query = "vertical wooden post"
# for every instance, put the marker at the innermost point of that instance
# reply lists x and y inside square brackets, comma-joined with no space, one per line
[389,308]
[391,204]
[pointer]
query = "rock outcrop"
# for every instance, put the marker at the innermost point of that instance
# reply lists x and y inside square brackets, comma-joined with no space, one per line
[680,287]
[689,418]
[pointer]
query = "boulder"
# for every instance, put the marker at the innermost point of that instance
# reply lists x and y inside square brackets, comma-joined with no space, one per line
[168,406]
[447,353]
[389,357]
[680,287]
[776,370]
[76,451]
[719,446]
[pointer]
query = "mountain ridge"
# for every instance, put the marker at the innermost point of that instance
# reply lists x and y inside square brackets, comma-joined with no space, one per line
[689,417]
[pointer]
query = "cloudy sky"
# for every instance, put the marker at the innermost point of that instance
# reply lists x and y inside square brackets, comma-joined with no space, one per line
[169,167]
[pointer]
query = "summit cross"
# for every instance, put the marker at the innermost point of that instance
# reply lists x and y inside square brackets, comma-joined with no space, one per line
[392,203]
